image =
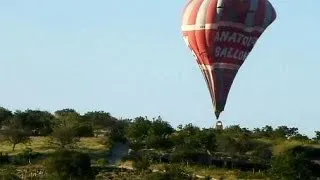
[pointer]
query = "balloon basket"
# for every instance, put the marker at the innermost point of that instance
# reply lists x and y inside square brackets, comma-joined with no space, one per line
[219,125]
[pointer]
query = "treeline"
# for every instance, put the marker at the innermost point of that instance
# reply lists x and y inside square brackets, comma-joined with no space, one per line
[42,123]
[155,141]
[66,122]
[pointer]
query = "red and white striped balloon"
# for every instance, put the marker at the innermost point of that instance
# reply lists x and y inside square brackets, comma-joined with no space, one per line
[221,34]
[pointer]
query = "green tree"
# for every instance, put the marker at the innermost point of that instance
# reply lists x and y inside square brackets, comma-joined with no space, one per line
[158,134]
[280,132]
[263,151]
[292,132]
[15,136]
[267,131]
[9,173]
[191,143]
[138,129]
[66,112]
[226,144]
[317,137]
[66,164]
[160,128]
[35,121]
[191,137]
[14,132]
[141,164]
[291,166]
[285,132]
[300,137]
[100,120]
[257,133]
[187,137]
[64,137]
[5,114]
[72,119]
[207,139]
[161,143]
[66,118]
[117,132]
[235,130]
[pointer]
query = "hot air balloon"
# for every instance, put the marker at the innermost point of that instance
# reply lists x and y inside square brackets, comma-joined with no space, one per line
[220,35]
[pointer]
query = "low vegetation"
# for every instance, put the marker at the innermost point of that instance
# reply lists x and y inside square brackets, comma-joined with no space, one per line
[67,145]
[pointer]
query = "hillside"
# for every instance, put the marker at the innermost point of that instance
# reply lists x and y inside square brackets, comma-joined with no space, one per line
[37,143]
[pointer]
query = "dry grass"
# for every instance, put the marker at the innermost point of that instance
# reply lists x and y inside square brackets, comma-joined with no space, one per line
[280,145]
[286,145]
[43,145]
[213,172]
[216,173]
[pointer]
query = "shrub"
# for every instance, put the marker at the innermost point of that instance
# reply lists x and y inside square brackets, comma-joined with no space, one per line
[4,158]
[84,131]
[290,165]
[25,157]
[141,164]
[64,137]
[65,164]
[102,162]
[171,173]
[8,173]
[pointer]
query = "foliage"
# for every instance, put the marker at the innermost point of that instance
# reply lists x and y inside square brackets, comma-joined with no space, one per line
[263,151]
[171,173]
[36,122]
[100,120]
[84,130]
[65,164]
[317,137]
[291,166]
[15,136]
[4,158]
[66,112]
[5,114]
[116,132]
[155,141]
[191,137]
[64,137]
[138,130]
[14,132]
[141,163]
[102,162]
[8,173]
[25,157]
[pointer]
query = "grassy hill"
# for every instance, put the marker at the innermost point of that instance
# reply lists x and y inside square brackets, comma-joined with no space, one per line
[97,149]
[43,145]
[68,143]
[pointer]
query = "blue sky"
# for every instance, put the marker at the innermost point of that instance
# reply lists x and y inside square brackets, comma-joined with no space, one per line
[128,58]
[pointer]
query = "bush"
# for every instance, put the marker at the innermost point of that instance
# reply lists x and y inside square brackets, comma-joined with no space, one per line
[8,173]
[64,164]
[263,152]
[171,173]
[64,137]
[141,164]
[102,162]
[4,158]
[189,156]
[84,131]
[25,157]
[290,165]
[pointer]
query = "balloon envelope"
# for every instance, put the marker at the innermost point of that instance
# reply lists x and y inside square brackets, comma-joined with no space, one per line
[220,35]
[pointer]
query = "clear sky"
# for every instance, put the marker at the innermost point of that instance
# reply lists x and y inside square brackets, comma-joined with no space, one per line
[128,58]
